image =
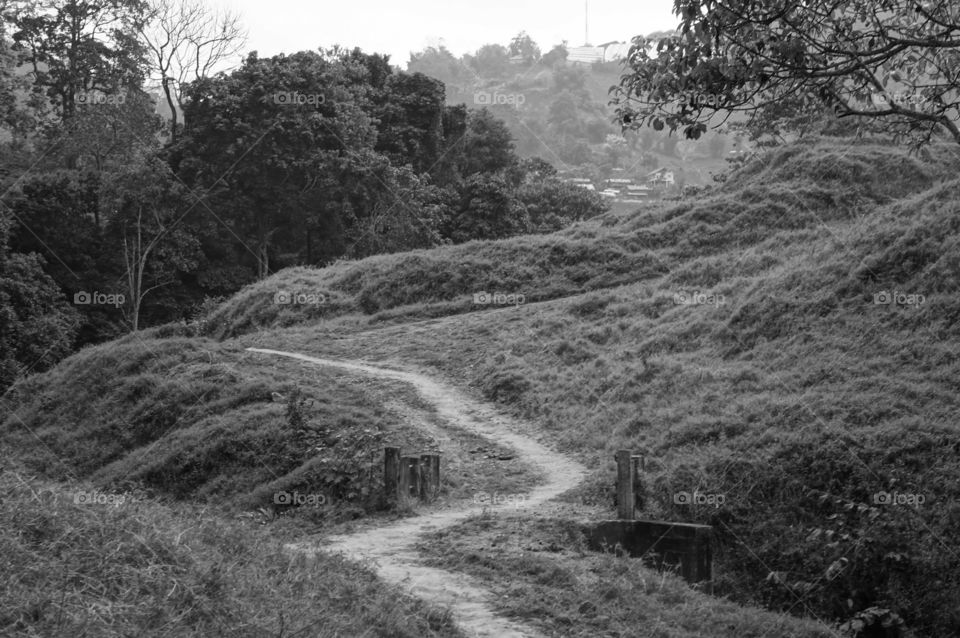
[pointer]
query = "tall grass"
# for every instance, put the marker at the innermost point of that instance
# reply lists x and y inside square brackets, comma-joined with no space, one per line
[139,568]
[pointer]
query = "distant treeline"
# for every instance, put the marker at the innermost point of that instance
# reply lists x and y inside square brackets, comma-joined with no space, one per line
[113,218]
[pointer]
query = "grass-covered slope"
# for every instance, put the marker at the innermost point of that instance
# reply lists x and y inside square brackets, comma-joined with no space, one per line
[424,283]
[802,187]
[538,568]
[139,568]
[793,393]
[194,419]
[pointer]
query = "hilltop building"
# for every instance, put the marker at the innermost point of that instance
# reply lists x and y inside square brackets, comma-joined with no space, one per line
[582,182]
[606,52]
[660,177]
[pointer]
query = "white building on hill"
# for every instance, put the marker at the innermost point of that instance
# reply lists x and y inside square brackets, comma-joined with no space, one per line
[615,51]
[660,177]
[607,52]
[584,55]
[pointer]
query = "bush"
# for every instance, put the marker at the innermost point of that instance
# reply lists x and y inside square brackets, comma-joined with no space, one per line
[809,517]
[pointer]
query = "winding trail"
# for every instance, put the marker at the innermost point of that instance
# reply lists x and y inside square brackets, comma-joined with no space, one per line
[391,547]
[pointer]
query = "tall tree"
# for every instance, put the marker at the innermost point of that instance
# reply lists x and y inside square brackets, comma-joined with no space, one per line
[12,83]
[188,40]
[487,145]
[487,210]
[556,57]
[83,52]
[403,212]
[76,46]
[891,63]
[524,46]
[552,204]
[56,213]
[108,135]
[146,208]
[261,140]
[490,61]
[410,130]
[37,326]
[439,63]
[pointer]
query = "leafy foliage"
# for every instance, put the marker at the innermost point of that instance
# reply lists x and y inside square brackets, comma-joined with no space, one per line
[37,326]
[887,65]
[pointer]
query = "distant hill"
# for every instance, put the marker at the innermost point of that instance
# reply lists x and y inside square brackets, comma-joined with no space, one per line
[557,108]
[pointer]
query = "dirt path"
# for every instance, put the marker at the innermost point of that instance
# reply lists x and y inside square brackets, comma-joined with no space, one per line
[390,547]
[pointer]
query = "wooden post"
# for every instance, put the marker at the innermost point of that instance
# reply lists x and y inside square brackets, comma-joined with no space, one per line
[625,503]
[637,470]
[409,477]
[391,473]
[429,476]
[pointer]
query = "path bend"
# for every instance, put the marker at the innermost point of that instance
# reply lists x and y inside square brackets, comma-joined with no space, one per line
[390,547]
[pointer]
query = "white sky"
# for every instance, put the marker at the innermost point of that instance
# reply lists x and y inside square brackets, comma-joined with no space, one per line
[399,27]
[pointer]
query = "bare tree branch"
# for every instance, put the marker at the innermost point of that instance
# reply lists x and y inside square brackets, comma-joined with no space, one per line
[187,41]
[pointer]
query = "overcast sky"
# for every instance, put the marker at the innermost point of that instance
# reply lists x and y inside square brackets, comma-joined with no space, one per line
[399,27]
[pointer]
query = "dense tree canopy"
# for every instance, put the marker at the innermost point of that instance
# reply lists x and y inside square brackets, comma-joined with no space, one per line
[117,224]
[892,63]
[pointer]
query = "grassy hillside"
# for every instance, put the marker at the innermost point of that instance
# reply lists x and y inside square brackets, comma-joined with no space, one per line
[803,187]
[432,282]
[139,568]
[783,386]
[539,569]
[193,419]
[793,394]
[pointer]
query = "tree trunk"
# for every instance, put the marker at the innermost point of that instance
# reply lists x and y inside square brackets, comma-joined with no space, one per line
[263,260]
[135,315]
[173,109]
